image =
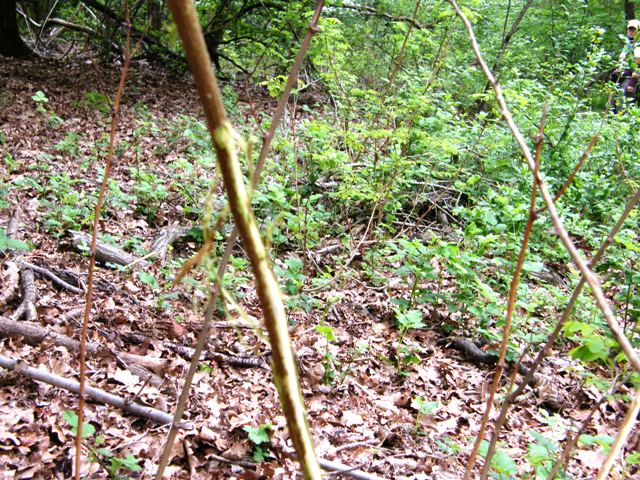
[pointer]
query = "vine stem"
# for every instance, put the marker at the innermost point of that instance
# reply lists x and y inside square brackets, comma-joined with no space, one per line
[189,28]
[582,266]
[115,113]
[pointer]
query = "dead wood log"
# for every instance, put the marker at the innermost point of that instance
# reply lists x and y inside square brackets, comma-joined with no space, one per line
[28,305]
[233,360]
[14,222]
[9,279]
[105,253]
[34,334]
[94,393]
[476,355]
[166,237]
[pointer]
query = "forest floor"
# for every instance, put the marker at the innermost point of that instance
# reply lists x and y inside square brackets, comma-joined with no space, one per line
[420,424]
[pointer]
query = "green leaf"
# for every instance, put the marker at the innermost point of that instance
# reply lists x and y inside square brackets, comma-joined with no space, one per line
[259,454]
[503,463]
[8,243]
[410,319]
[40,97]
[602,440]
[72,419]
[130,463]
[148,279]
[326,331]
[424,407]
[259,434]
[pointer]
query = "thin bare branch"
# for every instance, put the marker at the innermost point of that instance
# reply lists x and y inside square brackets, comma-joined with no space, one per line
[572,437]
[625,429]
[512,397]
[510,309]
[266,284]
[368,10]
[91,392]
[94,239]
[562,233]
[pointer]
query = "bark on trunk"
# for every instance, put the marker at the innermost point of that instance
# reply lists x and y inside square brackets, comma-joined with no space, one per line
[629,9]
[11,44]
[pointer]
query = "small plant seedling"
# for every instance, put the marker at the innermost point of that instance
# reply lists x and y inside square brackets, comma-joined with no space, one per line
[259,436]
[424,408]
[8,243]
[407,354]
[329,361]
[112,464]
[41,100]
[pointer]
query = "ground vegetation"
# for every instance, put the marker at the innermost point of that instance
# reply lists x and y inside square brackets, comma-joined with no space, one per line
[402,189]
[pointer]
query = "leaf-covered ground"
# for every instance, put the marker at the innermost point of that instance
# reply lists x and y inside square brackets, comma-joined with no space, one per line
[366,416]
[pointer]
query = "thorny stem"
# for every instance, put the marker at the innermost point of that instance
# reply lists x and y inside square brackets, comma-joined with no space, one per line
[115,113]
[586,272]
[511,398]
[510,308]
[224,261]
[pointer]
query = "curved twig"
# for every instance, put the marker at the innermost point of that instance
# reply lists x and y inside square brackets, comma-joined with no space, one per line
[582,266]
[94,239]
[586,272]
[275,319]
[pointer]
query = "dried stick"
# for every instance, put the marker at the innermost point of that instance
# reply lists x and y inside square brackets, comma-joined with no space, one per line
[511,398]
[115,113]
[501,365]
[341,468]
[14,222]
[50,275]
[224,261]
[589,276]
[34,334]
[91,392]
[9,281]
[284,368]
[621,438]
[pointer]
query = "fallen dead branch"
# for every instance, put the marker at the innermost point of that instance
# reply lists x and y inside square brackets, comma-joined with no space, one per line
[233,360]
[94,393]
[34,334]
[166,237]
[50,275]
[340,468]
[105,253]
[9,280]
[28,305]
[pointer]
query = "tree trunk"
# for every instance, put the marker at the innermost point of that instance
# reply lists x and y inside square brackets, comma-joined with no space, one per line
[11,44]
[154,7]
[629,9]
